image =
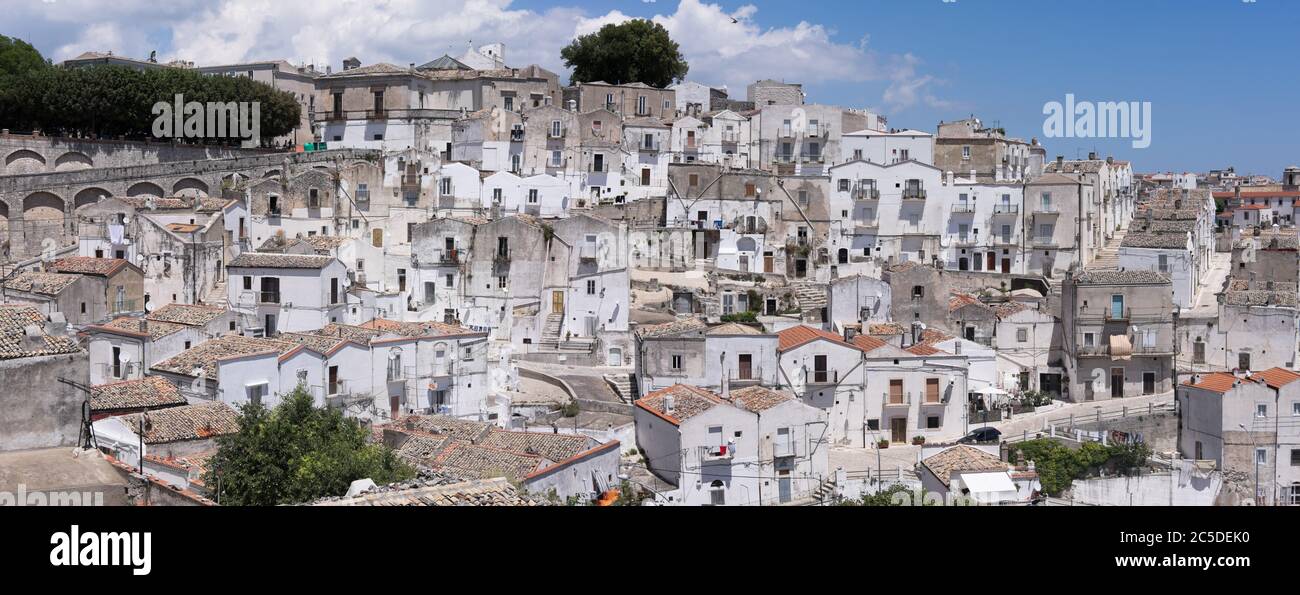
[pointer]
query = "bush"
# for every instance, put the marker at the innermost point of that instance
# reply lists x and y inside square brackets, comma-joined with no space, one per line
[1059,465]
[742,317]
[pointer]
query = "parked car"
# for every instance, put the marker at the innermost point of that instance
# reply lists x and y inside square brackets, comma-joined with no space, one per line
[982,436]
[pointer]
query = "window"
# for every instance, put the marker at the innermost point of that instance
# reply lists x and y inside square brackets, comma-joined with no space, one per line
[532,196]
[255,393]
[501,282]
[395,364]
[1261,410]
[363,193]
[556,159]
[693,180]
[1164,263]
[873,425]
[379,102]
[918,292]
[931,390]
[1295,457]
[803,198]
[819,369]
[932,422]
[444,186]
[1243,361]
[248,282]
[750,190]
[449,280]
[509,103]
[117,362]
[1261,456]
[313,198]
[556,131]
[844,185]
[1089,339]
[1295,408]
[598,162]
[1022,335]
[591,287]
[965,153]
[377,237]
[677,362]
[717,494]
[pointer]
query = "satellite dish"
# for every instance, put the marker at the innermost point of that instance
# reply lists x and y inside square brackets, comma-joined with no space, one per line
[125,357]
[148,307]
[140,258]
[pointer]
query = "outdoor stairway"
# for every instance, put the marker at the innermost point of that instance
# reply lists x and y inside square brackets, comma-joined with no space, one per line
[811,296]
[551,338]
[622,384]
[217,295]
[824,493]
[554,323]
[1108,257]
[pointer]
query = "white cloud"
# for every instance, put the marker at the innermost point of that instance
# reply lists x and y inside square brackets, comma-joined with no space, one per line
[720,52]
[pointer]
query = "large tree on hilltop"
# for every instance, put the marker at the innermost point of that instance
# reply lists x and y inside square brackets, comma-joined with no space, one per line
[635,51]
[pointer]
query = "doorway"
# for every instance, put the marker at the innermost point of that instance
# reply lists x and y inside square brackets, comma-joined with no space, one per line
[992,261]
[898,429]
[1148,383]
[1117,383]
[767,262]
[557,302]
[746,367]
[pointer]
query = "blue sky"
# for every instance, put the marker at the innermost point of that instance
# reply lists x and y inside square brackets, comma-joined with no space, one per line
[1220,74]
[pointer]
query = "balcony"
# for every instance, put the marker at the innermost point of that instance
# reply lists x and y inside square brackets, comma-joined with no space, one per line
[963,208]
[1046,211]
[587,253]
[966,241]
[501,260]
[730,138]
[125,306]
[739,378]
[517,136]
[1006,209]
[784,448]
[449,257]
[649,147]
[268,297]
[724,452]
[1045,242]
[866,192]
[913,194]
[899,401]
[1119,314]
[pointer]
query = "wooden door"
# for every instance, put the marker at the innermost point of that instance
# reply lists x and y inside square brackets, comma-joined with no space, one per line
[746,371]
[898,429]
[1117,382]
[557,302]
[767,262]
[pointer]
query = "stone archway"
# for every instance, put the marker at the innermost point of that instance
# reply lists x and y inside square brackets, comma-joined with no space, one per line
[145,189]
[24,161]
[190,187]
[89,196]
[43,218]
[73,161]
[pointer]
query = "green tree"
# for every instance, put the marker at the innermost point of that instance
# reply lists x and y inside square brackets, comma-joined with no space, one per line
[885,497]
[629,52]
[1059,465]
[295,453]
[19,57]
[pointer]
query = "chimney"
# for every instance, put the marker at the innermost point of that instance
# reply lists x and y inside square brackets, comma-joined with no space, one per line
[33,338]
[1060,162]
[1110,159]
[144,326]
[57,325]
[849,333]
[668,403]
[1092,156]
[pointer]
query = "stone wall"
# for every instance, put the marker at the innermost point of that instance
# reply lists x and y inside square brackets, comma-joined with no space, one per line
[36,410]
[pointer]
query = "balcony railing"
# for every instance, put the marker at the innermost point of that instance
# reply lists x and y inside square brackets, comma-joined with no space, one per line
[516,135]
[449,257]
[1118,314]
[501,259]
[724,452]
[124,306]
[866,192]
[754,376]
[1006,209]
[784,448]
[913,194]
[1045,242]
[1047,210]
[963,208]
[900,400]
[651,147]
[730,137]
[268,297]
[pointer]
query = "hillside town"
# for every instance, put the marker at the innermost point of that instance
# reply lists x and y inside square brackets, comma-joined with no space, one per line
[604,293]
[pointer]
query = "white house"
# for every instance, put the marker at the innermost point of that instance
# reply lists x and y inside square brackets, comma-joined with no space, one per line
[289,292]
[753,446]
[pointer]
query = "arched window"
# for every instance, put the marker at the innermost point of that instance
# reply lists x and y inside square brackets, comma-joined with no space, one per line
[843,256]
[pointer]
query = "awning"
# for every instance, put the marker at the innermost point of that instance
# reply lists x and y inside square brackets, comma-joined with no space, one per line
[1120,347]
[993,486]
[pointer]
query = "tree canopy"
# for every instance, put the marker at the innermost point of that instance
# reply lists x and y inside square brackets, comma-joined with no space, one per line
[295,453]
[629,52]
[116,101]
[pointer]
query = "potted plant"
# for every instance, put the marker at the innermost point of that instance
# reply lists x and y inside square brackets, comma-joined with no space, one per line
[882,444]
[918,440]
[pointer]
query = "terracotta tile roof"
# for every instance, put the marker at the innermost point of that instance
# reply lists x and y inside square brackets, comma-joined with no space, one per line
[962,458]
[272,260]
[1219,382]
[676,327]
[923,349]
[473,461]
[868,343]
[1118,277]
[420,449]
[41,282]
[418,329]
[164,203]
[553,447]
[797,336]
[349,332]
[439,492]
[13,323]
[188,422]
[184,227]
[688,401]
[317,343]
[1005,309]
[958,300]
[886,328]
[1276,377]
[150,391]
[87,265]
[758,398]
[187,314]
[207,353]
[733,328]
[472,431]
[139,326]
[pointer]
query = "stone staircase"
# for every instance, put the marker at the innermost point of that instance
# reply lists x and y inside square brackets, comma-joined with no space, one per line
[554,324]
[217,296]
[1108,257]
[811,296]
[622,384]
[824,493]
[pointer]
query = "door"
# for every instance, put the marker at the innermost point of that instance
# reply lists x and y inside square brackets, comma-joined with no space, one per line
[394,405]
[615,357]
[557,302]
[1006,266]
[767,262]
[334,380]
[1148,383]
[1117,383]
[992,260]
[746,371]
[783,485]
[898,429]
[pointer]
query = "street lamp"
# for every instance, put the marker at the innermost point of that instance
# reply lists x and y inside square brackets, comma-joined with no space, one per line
[1254,453]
